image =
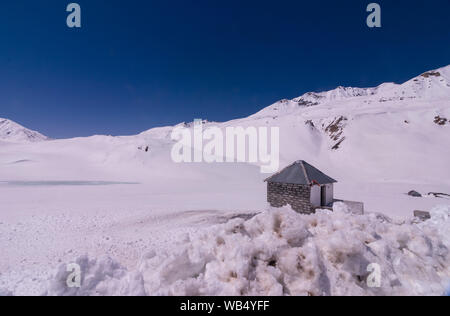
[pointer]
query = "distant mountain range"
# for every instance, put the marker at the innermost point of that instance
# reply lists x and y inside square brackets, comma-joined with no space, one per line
[431,86]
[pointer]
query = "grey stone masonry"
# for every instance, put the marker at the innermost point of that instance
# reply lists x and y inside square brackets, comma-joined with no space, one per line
[295,195]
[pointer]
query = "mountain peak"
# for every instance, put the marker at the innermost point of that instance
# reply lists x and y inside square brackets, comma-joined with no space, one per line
[11,131]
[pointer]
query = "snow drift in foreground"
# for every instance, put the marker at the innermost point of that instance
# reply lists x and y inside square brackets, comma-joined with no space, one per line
[280,252]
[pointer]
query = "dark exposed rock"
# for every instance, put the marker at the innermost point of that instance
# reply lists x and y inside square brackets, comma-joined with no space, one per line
[414,194]
[431,74]
[423,216]
[439,195]
[310,123]
[440,120]
[336,128]
[303,102]
[338,145]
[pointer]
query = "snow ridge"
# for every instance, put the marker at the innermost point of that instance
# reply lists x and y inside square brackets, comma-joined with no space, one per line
[431,85]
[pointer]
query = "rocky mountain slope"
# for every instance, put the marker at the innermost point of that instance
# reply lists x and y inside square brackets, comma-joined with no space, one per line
[11,131]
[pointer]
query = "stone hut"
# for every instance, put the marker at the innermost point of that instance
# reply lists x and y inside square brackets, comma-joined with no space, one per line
[302,186]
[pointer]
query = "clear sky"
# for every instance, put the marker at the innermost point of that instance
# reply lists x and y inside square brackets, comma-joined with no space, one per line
[137,64]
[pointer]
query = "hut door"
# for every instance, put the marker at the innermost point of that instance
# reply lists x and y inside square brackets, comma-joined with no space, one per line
[323,195]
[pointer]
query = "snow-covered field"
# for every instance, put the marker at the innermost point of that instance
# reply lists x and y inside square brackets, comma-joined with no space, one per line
[106,196]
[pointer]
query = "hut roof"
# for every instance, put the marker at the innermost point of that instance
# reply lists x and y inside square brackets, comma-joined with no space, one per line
[301,172]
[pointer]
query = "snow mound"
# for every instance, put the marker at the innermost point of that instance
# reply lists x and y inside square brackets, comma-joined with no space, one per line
[280,252]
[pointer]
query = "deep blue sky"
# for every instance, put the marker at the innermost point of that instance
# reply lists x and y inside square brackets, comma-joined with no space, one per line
[137,64]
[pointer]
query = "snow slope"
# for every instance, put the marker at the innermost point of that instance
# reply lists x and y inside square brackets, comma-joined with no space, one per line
[11,131]
[379,143]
